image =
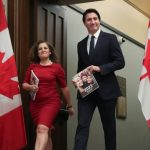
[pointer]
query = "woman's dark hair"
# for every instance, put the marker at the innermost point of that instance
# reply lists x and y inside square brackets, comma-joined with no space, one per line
[90,10]
[33,55]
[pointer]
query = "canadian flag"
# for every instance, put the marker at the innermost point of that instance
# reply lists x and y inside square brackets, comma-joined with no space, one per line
[144,87]
[12,128]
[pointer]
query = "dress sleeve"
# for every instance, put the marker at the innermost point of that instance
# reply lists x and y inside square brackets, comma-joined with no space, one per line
[61,77]
[28,74]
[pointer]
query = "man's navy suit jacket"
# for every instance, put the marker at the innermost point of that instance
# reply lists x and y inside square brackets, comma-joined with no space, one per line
[108,56]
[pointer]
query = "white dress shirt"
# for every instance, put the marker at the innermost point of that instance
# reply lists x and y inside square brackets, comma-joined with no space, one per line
[95,40]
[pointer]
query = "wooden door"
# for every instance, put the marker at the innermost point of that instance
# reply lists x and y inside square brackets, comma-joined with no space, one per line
[51,26]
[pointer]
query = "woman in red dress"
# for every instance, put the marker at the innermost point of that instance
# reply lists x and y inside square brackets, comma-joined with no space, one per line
[47,103]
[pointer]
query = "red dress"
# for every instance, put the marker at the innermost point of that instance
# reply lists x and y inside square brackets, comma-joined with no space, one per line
[47,102]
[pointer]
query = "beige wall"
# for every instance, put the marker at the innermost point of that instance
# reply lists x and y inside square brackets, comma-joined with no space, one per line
[121,16]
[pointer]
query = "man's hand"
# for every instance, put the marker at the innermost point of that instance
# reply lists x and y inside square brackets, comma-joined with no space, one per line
[93,68]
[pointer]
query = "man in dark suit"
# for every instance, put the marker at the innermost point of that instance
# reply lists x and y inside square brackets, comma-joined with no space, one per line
[103,59]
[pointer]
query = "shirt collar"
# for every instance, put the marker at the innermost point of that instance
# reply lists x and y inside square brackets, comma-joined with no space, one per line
[96,34]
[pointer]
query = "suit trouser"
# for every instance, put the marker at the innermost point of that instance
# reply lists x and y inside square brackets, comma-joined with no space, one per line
[107,113]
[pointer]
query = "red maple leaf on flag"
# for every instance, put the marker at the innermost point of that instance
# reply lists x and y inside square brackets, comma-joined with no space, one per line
[146,62]
[8,87]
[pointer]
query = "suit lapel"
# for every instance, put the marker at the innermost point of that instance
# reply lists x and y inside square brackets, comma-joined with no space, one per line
[98,45]
[99,41]
[85,47]
[96,50]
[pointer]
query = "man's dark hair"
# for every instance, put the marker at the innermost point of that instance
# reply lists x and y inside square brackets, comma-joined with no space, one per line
[90,10]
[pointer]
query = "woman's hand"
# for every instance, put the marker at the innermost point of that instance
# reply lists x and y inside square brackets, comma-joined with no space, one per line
[30,87]
[34,88]
[71,111]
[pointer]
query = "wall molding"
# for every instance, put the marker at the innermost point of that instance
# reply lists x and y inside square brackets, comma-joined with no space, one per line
[79,10]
